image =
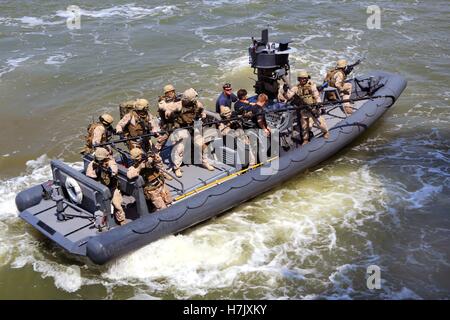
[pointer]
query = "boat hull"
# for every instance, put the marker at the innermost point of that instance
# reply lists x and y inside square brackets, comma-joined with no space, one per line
[214,201]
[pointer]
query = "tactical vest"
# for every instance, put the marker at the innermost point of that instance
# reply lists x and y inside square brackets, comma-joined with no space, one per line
[189,113]
[330,76]
[152,177]
[90,134]
[167,123]
[306,93]
[104,177]
[140,127]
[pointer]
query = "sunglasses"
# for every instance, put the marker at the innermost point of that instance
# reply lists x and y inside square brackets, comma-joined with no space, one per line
[228,89]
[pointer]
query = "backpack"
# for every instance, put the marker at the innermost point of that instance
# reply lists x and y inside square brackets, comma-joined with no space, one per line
[125,107]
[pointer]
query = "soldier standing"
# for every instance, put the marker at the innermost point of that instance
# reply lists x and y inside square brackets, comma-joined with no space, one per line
[98,132]
[308,95]
[168,105]
[190,110]
[336,78]
[104,170]
[138,122]
[155,189]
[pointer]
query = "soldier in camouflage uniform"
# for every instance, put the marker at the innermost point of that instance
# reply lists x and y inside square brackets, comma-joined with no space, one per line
[138,122]
[104,170]
[336,78]
[307,93]
[189,110]
[98,132]
[155,189]
[168,105]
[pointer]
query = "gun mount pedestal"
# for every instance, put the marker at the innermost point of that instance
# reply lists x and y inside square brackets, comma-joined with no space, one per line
[270,61]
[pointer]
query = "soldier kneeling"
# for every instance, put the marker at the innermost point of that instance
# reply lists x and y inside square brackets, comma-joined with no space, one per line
[104,170]
[155,189]
[336,78]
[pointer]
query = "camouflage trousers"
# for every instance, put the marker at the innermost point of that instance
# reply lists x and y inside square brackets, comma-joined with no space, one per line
[345,94]
[160,197]
[116,202]
[180,138]
[307,120]
[161,141]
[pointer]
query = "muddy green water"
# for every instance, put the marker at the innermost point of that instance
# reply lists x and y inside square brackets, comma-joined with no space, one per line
[384,200]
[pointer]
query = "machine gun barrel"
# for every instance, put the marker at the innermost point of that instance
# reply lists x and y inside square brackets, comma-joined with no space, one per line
[329,103]
[350,67]
[152,134]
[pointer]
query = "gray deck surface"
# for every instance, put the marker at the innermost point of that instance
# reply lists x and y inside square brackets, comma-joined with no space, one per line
[74,229]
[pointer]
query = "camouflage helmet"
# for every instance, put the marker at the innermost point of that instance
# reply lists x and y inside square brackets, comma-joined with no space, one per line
[107,118]
[168,88]
[101,154]
[190,95]
[302,74]
[341,63]
[141,104]
[136,153]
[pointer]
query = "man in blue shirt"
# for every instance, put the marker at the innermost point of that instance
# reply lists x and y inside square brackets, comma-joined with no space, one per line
[224,101]
[243,105]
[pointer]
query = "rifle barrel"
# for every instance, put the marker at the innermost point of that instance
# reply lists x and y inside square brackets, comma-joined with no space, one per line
[324,104]
[242,118]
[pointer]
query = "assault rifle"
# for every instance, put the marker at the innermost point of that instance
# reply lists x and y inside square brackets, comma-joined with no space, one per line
[295,107]
[147,135]
[349,68]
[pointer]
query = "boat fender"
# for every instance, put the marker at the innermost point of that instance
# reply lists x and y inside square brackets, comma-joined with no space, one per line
[96,251]
[29,198]
[74,190]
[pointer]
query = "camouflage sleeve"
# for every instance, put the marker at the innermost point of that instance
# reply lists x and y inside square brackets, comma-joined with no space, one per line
[123,122]
[133,172]
[291,93]
[280,95]
[97,134]
[201,109]
[339,80]
[162,105]
[170,107]
[113,165]
[315,93]
[153,123]
[90,172]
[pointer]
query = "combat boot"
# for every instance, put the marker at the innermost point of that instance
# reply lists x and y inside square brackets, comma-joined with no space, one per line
[178,172]
[348,110]
[206,165]
[167,176]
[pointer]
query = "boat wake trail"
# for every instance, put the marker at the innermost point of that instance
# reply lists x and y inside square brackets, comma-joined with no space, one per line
[314,237]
